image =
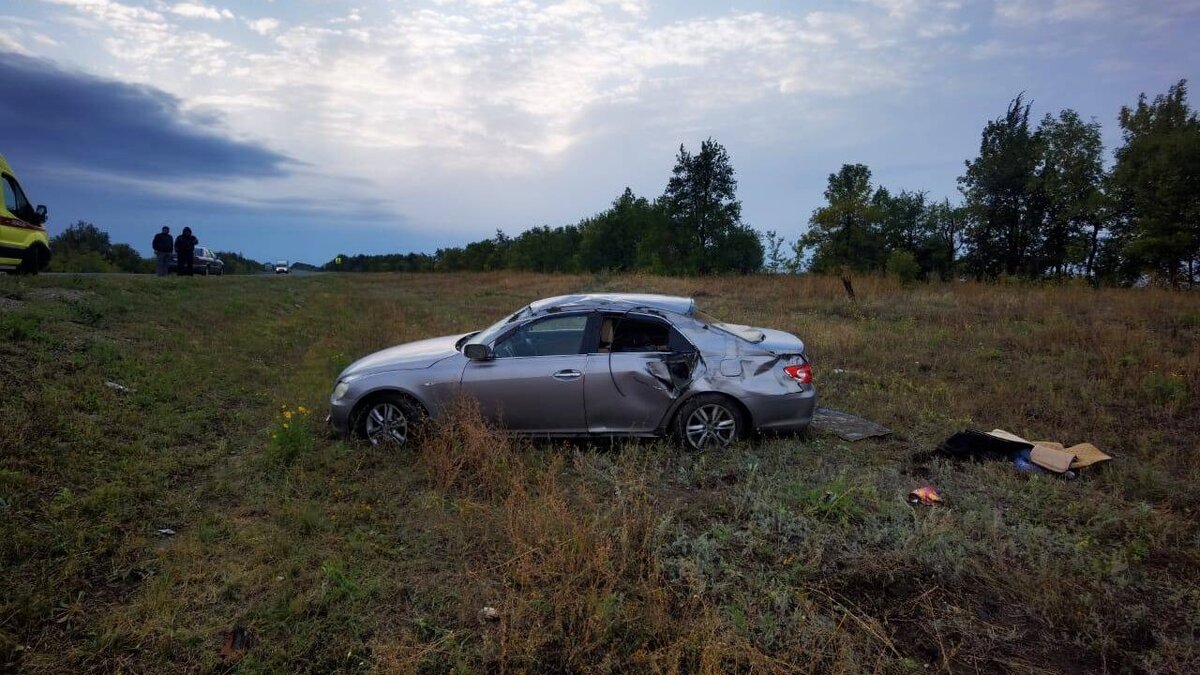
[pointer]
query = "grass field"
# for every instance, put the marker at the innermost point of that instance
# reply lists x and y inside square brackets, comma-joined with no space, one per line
[793,554]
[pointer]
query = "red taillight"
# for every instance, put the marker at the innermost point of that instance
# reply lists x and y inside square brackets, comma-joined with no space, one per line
[801,373]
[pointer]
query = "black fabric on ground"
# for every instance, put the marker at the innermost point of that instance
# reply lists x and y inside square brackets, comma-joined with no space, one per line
[978,446]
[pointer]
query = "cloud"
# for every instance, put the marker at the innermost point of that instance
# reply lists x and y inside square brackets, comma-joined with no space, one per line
[75,121]
[195,10]
[1145,13]
[263,26]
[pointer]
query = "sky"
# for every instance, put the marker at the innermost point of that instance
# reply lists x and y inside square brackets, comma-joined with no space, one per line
[300,129]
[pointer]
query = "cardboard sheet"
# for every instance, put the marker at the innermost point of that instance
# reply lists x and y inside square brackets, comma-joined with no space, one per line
[1052,452]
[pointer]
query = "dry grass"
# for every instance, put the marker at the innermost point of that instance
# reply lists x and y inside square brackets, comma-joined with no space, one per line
[783,555]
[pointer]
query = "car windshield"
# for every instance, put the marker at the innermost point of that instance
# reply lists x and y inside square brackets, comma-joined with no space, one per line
[489,334]
[747,333]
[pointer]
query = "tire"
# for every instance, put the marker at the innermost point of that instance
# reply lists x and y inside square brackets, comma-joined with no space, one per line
[389,419]
[709,422]
[33,261]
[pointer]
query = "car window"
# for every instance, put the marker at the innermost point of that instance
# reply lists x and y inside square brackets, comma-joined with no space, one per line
[555,336]
[14,198]
[10,197]
[639,334]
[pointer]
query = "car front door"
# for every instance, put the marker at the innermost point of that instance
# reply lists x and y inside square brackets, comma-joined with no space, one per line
[13,229]
[637,368]
[534,382]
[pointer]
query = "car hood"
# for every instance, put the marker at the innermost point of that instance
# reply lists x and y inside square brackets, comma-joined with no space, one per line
[408,356]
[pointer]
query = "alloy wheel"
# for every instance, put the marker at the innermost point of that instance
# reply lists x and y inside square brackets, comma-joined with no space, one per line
[386,423]
[711,425]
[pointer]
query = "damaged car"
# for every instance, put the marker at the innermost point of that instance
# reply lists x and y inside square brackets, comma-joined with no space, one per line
[632,365]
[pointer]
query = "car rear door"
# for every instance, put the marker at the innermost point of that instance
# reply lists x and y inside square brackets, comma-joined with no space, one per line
[535,381]
[630,385]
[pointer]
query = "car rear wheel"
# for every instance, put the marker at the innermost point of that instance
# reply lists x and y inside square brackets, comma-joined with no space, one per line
[709,421]
[388,420]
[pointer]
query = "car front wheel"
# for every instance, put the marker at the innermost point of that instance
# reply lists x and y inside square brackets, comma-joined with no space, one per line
[709,421]
[389,420]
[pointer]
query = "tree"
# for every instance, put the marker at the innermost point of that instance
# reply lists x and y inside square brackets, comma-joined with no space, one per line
[1000,196]
[844,234]
[1156,184]
[946,226]
[609,240]
[83,247]
[82,237]
[1069,183]
[777,261]
[707,234]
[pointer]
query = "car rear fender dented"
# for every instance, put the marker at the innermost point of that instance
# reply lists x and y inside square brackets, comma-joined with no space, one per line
[752,375]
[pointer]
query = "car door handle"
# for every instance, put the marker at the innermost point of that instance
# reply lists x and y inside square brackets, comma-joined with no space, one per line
[567,374]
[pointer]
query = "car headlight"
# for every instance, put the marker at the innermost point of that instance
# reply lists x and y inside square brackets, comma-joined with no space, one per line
[339,390]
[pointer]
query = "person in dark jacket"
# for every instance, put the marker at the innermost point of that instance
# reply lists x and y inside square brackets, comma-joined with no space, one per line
[185,248]
[162,251]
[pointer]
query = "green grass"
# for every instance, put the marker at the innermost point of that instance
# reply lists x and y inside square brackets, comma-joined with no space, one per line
[782,555]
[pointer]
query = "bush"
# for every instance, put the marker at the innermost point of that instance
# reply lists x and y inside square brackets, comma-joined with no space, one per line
[903,265]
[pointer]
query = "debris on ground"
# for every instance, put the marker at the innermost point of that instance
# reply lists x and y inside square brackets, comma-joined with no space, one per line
[117,387]
[925,495]
[489,614]
[846,426]
[1026,456]
[237,641]
[165,532]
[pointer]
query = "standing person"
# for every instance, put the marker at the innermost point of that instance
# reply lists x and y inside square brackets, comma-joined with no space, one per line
[185,249]
[162,251]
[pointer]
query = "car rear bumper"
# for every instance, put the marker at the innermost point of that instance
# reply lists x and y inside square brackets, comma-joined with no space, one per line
[782,412]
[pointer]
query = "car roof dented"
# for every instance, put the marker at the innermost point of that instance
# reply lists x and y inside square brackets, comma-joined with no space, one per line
[615,301]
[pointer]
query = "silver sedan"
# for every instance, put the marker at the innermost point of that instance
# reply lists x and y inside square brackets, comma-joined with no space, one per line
[589,365]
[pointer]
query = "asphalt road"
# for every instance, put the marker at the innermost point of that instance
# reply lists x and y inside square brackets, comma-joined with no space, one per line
[294,273]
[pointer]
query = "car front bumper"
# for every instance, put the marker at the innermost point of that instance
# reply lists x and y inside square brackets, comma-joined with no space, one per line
[338,419]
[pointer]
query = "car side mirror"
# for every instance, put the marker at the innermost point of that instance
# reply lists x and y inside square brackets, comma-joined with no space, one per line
[41,214]
[477,352]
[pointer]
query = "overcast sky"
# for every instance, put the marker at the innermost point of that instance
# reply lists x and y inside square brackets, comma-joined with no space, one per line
[300,128]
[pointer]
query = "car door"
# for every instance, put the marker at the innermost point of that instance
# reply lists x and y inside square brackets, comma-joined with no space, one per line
[638,367]
[13,229]
[534,382]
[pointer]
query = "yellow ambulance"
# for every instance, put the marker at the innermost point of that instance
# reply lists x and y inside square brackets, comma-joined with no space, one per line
[24,246]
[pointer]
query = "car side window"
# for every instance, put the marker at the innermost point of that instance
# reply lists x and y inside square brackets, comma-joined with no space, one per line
[14,198]
[554,336]
[10,197]
[623,334]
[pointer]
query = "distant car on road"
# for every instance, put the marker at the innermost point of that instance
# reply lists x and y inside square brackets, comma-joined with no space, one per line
[204,260]
[589,365]
[24,244]
[281,267]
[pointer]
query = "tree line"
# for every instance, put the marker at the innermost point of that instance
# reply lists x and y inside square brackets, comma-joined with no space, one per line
[1038,202]
[694,227]
[84,247]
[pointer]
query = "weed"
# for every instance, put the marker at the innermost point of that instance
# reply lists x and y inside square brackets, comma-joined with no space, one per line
[292,435]
[1169,390]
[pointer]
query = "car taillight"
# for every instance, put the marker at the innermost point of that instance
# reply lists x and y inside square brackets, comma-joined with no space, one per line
[801,373]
